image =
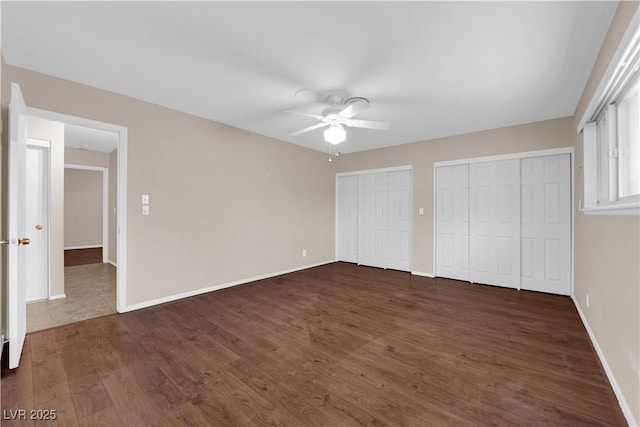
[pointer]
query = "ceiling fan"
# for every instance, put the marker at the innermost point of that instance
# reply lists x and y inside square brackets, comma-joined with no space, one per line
[339,114]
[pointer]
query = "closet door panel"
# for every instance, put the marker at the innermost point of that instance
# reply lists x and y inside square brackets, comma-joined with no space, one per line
[347,218]
[398,218]
[372,188]
[452,222]
[546,224]
[495,223]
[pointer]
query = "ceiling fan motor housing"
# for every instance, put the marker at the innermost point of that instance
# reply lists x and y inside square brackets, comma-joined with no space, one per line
[329,111]
[353,99]
[337,107]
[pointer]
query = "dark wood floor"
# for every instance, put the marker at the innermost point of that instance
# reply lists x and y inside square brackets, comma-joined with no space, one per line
[82,256]
[333,345]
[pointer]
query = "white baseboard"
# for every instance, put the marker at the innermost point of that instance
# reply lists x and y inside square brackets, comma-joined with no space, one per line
[217,287]
[59,296]
[82,247]
[626,410]
[112,263]
[420,273]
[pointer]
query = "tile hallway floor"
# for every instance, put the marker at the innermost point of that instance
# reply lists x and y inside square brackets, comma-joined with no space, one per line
[90,292]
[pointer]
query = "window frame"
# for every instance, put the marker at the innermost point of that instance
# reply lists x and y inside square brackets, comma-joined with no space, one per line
[601,186]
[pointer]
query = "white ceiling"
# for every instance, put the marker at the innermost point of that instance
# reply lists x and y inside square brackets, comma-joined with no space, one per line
[432,69]
[90,139]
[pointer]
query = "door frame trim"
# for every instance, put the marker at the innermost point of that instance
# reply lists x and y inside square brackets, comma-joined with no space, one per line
[362,172]
[105,203]
[121,221]
[510,156]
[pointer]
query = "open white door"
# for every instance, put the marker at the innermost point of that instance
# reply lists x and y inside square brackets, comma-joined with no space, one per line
[17,177]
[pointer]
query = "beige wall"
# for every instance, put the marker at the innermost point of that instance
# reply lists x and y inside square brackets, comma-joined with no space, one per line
[112,254]
[76,156]
[53,132]
[226,204]
[82,208]
[422,155]
[607,255]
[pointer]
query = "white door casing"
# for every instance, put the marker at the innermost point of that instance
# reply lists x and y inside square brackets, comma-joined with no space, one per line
[37,220]
[347,220]
[494,226]
[398,218]
[121,227]
[546,224]
[17,175]
[452,222]
[372,204]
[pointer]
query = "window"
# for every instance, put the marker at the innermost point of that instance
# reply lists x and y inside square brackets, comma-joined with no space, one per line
[618,148]
[628,114]
[611,127]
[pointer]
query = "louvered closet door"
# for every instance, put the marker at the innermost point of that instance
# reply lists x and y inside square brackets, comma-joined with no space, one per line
[398,220]
[546,224]
[495,223]
[372,198]
[348,218]
[452,222]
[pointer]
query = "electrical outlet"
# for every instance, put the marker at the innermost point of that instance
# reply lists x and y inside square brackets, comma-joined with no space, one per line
[304,253]
[587,300]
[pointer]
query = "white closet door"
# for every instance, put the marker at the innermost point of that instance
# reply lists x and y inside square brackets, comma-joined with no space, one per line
[398,220]
[348,218]
[495,223]
[546,224]
[452,222]
[37,197]
[372,198]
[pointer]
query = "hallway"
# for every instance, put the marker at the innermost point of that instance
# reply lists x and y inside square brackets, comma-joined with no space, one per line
[90,292]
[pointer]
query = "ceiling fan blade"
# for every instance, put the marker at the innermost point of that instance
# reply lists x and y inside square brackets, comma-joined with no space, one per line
[368,124]
[315,116]
[353,109]
[310,128]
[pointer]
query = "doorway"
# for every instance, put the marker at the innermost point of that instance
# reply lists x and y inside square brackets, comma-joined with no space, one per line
[95,289]
[37,219]
[88,205]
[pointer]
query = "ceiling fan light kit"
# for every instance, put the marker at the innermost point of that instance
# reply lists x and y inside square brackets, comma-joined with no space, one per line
[342,108]
[335,134]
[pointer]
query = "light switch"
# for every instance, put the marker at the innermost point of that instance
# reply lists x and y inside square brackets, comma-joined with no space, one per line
[420,211]
[145,199]
[145,210]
